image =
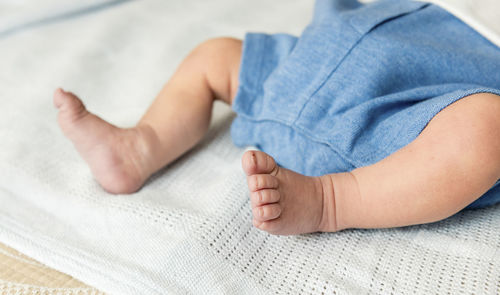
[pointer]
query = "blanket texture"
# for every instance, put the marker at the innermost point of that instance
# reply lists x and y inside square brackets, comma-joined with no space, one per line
[189,229]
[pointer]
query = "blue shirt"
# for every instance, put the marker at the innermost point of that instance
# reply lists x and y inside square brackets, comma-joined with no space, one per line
[361,82]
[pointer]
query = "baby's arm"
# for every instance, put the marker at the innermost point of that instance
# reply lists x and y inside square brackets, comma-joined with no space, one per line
[450,164]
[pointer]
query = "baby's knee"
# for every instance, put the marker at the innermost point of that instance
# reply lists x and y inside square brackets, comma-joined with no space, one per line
[218,53]
[220,61]
[219,44]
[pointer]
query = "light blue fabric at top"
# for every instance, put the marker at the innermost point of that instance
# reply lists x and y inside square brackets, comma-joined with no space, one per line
[361,82]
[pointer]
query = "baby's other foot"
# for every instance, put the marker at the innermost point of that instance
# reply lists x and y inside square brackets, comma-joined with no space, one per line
[118,158]
[283,202]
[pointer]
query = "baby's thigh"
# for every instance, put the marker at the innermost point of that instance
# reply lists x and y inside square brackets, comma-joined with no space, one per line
[451,163]
[469,129]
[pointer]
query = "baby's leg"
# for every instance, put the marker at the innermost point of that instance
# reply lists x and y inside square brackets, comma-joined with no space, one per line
[450,164]
[122,159]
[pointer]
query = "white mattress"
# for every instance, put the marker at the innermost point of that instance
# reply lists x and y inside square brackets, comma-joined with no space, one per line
[189,229]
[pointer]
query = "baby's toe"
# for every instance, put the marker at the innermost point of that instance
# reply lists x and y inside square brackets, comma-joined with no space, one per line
[266,212]
[58,97]
[257,162]
[274,226]
[68,102]
[262,181]
[61,97]
[264,196]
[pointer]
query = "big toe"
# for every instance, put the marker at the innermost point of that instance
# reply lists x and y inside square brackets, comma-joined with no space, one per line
[257,162]
[68,103]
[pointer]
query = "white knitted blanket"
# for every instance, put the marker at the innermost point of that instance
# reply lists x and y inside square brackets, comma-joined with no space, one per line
[189,229]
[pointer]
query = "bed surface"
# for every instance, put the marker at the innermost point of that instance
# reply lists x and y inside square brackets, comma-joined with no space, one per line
[189,229]
[20,274]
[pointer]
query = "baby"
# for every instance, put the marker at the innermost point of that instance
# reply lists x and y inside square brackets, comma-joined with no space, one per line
[378,115]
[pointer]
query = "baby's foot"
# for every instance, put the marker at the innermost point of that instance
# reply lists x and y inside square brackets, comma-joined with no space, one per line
[117,157]
[284,202]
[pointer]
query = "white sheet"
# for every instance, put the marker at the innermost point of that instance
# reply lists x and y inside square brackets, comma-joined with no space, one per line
[19,15]
[189,229]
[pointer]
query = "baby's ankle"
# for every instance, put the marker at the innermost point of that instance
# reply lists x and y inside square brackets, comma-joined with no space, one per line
[340,192]
[328,221]
[148,145]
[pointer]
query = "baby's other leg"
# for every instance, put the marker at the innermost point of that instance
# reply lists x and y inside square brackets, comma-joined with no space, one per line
[122,159]
[453,161]
[450,164]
